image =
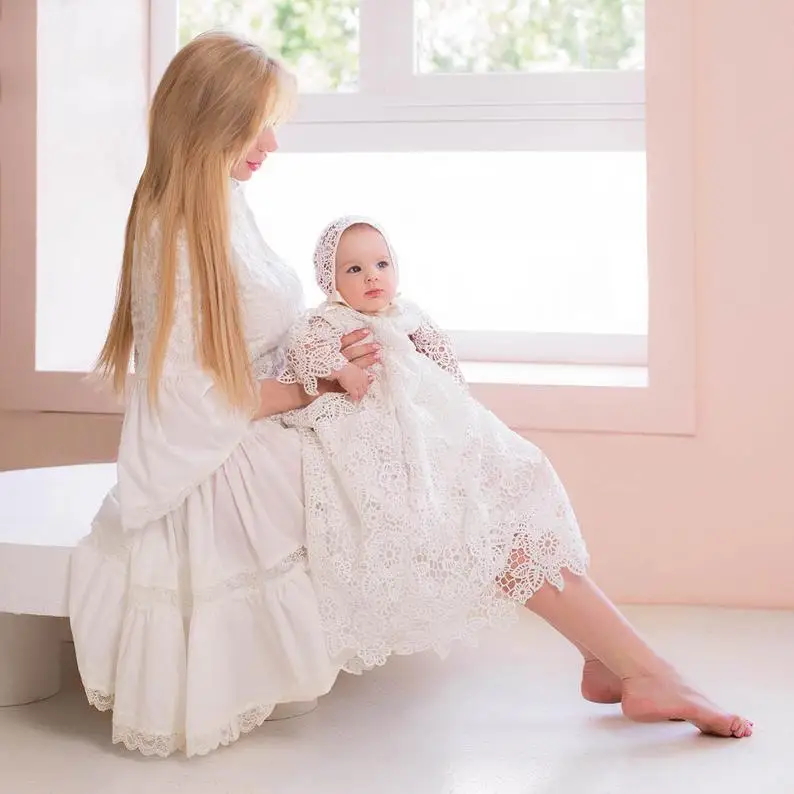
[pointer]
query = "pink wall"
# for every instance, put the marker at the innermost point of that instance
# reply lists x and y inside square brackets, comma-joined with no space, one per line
[707,519]
[711,519]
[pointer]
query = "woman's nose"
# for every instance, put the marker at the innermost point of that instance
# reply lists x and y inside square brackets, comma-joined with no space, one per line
[267,142]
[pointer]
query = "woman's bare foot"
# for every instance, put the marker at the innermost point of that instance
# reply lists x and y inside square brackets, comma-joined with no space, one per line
[600,684]
[661,698]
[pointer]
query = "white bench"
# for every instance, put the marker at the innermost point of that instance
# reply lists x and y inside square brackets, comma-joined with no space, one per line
[43,514]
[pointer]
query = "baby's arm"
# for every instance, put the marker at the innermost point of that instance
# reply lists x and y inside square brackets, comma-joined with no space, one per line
[313,353]
[434,343]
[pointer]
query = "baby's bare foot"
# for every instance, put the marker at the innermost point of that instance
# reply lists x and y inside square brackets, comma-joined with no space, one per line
[599,683]
[660,698]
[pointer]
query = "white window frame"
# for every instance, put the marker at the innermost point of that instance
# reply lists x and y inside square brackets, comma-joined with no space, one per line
[399,111]
[389,90]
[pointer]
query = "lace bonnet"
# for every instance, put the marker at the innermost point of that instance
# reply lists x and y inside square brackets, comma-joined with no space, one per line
[325,252]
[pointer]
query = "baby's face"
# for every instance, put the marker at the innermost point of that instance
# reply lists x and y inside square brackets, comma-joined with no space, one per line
[365,274]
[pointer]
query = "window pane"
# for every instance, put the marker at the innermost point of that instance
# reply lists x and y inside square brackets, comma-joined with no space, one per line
[495,241]
[317,39]
[459,36]
[501,241]
[91,91]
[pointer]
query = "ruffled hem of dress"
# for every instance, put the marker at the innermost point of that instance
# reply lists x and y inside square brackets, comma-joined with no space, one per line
[119,629]
[163,745]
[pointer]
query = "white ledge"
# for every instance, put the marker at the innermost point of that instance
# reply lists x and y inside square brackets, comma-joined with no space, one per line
[589,375]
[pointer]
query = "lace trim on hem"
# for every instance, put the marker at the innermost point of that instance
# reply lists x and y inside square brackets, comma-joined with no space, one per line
[521,583]
[100,700]
[163,745]
[246,583]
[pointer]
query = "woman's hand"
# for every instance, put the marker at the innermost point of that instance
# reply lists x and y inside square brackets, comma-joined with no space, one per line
[362,355]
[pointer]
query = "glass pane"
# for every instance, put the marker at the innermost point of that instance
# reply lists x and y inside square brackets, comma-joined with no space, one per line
[502,241]
[317,39]
[460,36]
[551,241]
[90,149]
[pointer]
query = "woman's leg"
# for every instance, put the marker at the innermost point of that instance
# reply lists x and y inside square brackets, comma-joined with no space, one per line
[651,690]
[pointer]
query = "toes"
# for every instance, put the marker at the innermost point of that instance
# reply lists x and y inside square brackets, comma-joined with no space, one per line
[742,728]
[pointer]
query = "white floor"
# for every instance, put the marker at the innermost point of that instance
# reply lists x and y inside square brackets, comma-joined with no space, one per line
[503,719]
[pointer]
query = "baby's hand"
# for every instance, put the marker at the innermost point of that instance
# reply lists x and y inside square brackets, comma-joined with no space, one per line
[355,381]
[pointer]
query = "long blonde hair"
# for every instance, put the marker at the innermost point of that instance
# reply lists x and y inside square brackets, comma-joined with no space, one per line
[215,97]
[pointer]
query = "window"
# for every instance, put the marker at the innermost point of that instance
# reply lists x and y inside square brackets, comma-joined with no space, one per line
[522,123]
[73,144]
[509,36]
[319,40]
[517,285]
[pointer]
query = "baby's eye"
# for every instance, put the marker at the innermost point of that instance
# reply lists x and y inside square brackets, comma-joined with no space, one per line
[382,265]
[354,269]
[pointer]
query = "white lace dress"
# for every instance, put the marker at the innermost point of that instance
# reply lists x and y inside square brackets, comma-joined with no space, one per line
[427,518]
[191,606]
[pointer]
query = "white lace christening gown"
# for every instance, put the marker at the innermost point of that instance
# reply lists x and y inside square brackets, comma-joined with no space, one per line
[192,609]
[427,518]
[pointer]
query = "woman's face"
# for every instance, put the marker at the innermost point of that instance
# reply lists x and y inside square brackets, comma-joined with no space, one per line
[263,145]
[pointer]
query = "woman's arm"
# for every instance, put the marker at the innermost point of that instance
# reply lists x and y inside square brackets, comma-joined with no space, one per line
[277,398]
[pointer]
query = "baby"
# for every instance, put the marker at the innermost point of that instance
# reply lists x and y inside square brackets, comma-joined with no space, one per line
[355,267]
[427,518]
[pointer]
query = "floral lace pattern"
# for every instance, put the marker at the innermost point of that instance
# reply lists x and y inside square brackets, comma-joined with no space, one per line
[313,351]
[435,343]
[313,348]
[427,518]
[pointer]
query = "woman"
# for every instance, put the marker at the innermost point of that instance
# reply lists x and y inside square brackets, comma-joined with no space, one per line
[192,608]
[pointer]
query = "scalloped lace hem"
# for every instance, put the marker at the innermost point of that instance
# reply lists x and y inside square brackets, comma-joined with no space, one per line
[501,616]
[368,659]
[163,745]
